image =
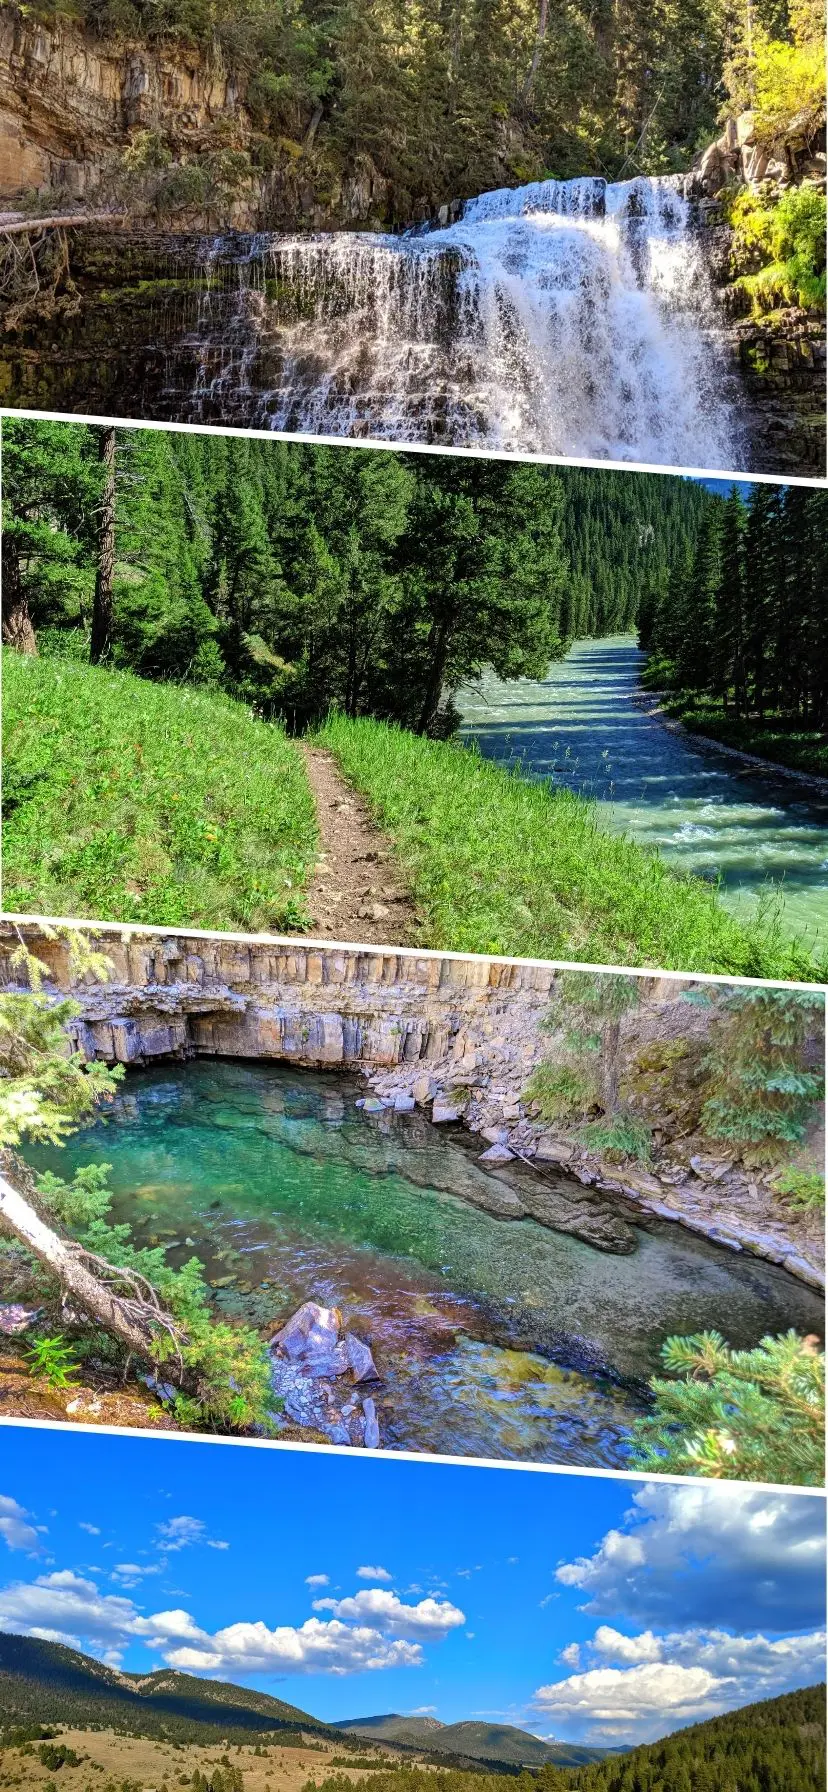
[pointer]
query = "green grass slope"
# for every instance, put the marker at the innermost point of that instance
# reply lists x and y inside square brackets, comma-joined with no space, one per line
[130,801]
[48,1683]
[499,863]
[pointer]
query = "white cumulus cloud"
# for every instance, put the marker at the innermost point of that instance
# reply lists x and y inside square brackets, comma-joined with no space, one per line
[15,1526]
[429,1617]
[369,1573]
[664,1681]
[687,1553]
[252,1648]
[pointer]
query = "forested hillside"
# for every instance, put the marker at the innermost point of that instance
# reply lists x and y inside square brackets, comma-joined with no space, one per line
[776,1746]
[44,1682]
[301,578]
[739,628]
[451,97]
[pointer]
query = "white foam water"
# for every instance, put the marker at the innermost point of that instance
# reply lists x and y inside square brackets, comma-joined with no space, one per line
[563,317]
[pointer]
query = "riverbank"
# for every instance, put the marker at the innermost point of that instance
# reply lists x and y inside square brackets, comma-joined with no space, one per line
[801,755]
[172,805]
[501,862]
[754,833]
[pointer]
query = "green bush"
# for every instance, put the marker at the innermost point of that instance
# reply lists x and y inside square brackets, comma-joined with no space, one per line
[763,1093]
[619,1136]
[228,1366]
[805,1189]
[752,1415]
[790,238]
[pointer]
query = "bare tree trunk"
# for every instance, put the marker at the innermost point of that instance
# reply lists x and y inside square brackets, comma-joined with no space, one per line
[135,1316]
[103,610]
[18,629]
[543,21]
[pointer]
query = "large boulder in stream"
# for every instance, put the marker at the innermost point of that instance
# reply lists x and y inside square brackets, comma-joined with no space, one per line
[317,1371]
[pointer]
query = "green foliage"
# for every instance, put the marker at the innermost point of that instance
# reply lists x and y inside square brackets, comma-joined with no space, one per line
[45,1091]
[51,1360]
[789,78]
[560,1091]
[621,1136]
[58,1754]
[805,1189]
[789,237]
[750,1415]
[501,863]
[765,1093]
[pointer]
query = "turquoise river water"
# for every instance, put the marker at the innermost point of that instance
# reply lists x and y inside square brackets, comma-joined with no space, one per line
[492,1338]
[584,726]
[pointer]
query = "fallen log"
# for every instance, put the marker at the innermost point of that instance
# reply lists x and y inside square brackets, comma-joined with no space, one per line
[66,222]
[122,1301]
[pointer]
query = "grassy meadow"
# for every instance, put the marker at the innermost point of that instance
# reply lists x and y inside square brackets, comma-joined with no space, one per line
[148,802]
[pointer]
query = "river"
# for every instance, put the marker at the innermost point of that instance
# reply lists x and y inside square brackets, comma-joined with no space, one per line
[586,726]
[493,1338]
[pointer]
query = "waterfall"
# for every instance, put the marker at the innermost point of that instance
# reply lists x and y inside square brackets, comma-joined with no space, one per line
[562,317]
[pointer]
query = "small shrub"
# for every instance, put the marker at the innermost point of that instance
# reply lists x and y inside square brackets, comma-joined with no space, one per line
[805,1189]
[561,1090]
[619,1136]
[51,1360]
[753,1415]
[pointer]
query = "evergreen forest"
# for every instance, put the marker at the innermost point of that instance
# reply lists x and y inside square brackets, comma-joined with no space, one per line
[301,579]
[738,631]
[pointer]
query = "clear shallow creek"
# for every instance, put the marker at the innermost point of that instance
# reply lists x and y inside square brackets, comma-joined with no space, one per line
[493,1338]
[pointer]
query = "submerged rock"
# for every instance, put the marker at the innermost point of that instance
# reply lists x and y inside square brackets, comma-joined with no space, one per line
[311,1356]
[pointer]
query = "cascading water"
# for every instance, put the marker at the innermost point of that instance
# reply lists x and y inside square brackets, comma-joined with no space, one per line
[570,317]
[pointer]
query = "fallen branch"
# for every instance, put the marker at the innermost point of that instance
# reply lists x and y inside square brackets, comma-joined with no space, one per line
[65,222]
[122,1301]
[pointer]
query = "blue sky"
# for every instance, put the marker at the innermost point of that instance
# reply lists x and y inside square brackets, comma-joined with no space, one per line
[589,1608]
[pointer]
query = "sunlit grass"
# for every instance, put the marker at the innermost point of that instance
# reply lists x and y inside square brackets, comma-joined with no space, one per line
[500,863]
[131,801]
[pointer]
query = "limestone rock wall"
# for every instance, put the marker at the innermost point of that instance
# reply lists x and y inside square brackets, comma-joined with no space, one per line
[312,1005]
[65,101]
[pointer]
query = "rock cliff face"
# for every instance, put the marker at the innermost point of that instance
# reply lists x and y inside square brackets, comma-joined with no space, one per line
[781,359]
[71,104]
[65,102]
